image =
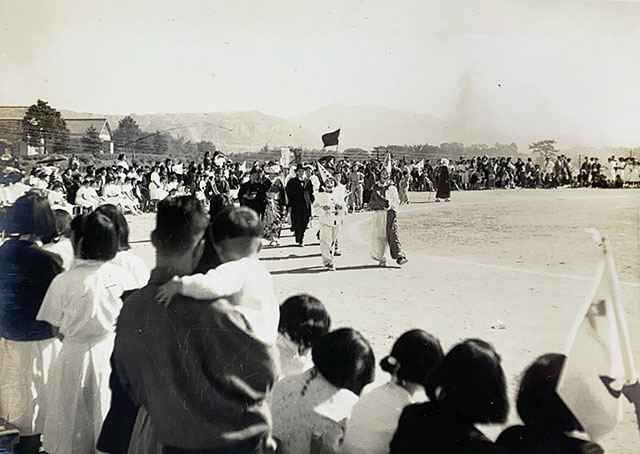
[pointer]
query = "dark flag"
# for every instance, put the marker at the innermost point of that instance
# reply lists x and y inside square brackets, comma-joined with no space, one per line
[327,161]
[331,138]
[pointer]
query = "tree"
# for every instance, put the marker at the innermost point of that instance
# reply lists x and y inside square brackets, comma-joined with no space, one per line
[91,141]
[126,134]
[43,126]
[204,146]
[544,149]
[160,143]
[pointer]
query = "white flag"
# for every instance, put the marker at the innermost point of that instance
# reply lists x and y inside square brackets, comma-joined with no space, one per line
[420,164]
[599,360]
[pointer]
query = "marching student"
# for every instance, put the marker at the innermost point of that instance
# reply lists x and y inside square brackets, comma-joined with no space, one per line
[331,208]
[384,203]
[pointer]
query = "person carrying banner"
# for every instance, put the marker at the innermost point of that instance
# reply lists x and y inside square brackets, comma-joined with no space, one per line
[331,208]
[384,203]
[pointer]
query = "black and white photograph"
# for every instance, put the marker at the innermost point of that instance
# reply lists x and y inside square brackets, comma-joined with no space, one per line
[320,227]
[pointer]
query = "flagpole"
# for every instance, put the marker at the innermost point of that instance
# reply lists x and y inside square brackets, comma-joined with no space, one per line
[623,329]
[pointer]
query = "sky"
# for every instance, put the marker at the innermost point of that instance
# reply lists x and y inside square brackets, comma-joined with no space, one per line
[530,67]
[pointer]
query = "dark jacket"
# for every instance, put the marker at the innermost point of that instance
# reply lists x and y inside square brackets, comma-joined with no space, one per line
[525,440]
[300,195]
[196,369]
[426,428]
[26,270]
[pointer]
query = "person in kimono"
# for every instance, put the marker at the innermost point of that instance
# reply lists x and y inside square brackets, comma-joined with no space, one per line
[275,202]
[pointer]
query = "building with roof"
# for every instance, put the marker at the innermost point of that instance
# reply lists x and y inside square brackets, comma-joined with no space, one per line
[78,129]
[12,141]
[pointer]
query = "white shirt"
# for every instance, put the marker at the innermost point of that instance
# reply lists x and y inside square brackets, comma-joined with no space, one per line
[135,266]
[84,302]
[391,194]
[291,361]
[335,200]
[374,419]
[64,249]
[250,288]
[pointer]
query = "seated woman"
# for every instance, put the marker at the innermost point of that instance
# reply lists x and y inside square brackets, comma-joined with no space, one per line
[547,420]
[303,320]
[375,417]
[467,388]
[311,408]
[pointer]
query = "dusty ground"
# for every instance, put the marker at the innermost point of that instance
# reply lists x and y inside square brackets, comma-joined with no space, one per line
[518,257]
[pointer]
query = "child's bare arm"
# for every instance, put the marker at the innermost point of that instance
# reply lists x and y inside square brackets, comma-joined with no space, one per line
[168,290]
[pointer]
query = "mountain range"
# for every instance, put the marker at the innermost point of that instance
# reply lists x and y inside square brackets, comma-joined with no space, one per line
[361,127]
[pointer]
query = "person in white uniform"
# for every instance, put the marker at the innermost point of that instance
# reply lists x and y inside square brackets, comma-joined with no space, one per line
[331,209]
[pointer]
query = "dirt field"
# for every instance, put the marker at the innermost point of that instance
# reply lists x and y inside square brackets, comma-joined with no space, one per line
[520,258]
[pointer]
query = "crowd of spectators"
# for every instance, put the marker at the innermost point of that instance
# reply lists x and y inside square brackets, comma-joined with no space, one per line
[136,188]
[213,372]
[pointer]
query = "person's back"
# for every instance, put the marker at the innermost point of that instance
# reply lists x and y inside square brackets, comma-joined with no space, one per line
[201,389]
[194,367]
[27,271]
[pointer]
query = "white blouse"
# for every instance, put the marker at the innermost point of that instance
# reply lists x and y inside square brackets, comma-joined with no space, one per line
[374,419]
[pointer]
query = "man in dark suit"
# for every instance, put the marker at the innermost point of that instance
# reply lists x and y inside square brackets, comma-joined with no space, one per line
[300,198]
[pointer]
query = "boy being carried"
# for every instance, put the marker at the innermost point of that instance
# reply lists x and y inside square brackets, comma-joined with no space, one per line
[236,234]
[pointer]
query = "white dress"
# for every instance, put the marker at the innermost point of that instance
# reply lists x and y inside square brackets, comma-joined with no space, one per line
[84,304]
[30,362]
[307,407]
[374,419]
[135,266]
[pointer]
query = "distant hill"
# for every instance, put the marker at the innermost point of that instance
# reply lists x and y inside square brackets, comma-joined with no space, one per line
[229,131]
[362,127]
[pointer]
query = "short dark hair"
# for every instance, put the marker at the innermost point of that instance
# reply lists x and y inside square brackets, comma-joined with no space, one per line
[304,318]
[31,215]
[413,357]
[63,222]
[345,358]
[236,222]
[118,219]
[470,383]
[99,238]
[180,222]
[538,403]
